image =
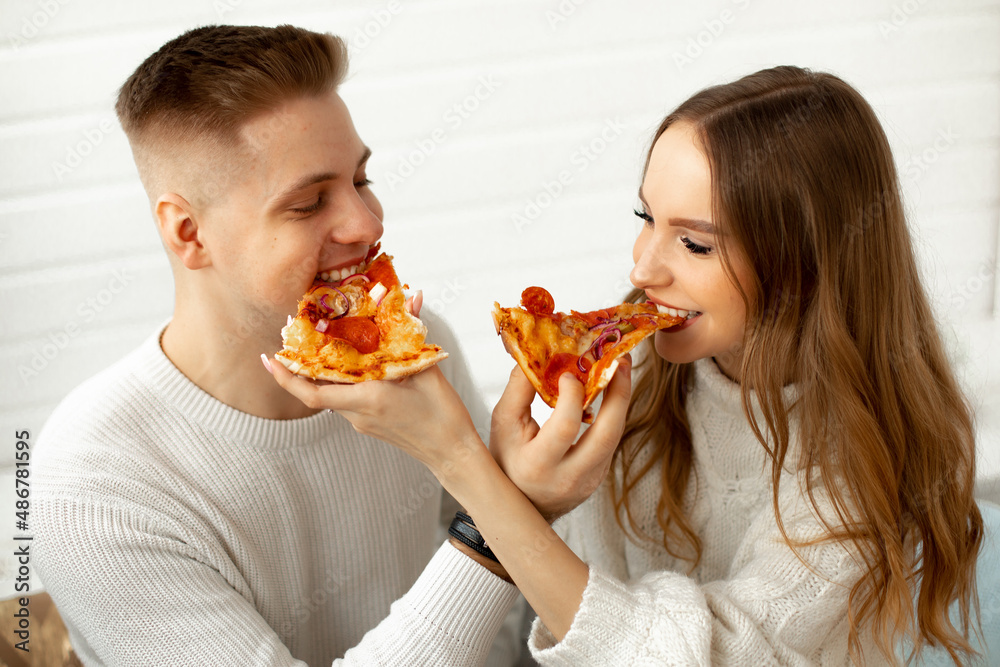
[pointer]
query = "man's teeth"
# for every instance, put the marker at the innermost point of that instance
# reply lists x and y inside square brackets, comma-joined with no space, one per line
[678,312]
[340,274]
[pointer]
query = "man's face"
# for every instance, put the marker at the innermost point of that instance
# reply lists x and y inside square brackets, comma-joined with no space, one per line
[297,203]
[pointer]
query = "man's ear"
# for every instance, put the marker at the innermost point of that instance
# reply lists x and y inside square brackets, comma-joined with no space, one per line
[179,228]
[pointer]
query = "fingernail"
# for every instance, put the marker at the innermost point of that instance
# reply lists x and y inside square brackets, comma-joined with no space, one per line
[267,364]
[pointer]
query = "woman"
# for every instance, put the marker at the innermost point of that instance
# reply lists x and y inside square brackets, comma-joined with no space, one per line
[797,459]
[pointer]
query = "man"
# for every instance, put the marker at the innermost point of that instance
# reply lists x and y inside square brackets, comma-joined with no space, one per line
[190,510]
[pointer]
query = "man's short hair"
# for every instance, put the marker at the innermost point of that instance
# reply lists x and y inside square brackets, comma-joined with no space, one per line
[210,81]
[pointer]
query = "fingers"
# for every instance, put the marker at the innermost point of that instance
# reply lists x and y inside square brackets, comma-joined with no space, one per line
[559,433]
[517,395]
[601,439]
[570,403]
[619,390]
[513,409]
[414,303]
[313,395]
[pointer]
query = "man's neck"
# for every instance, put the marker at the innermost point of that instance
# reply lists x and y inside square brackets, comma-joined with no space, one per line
[228,367]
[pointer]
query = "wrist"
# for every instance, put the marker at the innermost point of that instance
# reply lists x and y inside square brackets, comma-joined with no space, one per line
[491,565]
[467,464]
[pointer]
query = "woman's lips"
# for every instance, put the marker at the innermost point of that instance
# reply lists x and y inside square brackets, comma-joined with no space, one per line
[683,325]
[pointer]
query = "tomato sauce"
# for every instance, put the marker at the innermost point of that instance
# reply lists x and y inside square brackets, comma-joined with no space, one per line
[564,362]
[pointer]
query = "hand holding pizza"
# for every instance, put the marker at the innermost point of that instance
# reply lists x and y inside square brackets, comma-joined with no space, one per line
[421,414]
[548,463]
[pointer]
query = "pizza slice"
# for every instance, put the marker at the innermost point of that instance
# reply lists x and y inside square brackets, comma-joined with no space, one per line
[356,328]
[547,344]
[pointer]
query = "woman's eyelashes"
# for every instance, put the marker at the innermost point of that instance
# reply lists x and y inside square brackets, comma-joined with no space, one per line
[695,248]
[645,217]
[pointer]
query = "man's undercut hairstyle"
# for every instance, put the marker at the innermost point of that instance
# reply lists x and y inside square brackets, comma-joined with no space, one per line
[207,83]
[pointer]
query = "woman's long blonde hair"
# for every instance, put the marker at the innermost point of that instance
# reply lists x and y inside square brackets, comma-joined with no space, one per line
[806,191]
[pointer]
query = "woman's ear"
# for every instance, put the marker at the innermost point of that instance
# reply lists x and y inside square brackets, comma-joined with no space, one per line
[180,231]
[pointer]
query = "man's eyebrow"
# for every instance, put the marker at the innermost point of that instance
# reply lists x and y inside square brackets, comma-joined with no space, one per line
[703,226]
[364,157]
[313,179]
[304,183]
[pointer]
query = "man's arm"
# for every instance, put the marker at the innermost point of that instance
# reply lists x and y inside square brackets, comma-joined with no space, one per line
[135,592]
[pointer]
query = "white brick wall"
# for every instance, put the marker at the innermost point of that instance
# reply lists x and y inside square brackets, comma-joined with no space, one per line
[75,233]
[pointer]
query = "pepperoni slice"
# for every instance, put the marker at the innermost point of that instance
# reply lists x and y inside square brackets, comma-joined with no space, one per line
[381,271]
[361,333]
[564,362]
[538,301]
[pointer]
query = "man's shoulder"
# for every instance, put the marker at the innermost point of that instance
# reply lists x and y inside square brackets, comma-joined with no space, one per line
[103,411]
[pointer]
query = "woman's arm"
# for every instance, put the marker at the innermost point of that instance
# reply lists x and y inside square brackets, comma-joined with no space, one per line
[423,416]
[771,607]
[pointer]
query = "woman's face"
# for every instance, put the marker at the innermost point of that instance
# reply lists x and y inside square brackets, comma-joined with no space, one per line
[676,256]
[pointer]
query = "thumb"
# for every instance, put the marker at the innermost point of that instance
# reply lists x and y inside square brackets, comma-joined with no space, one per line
[516,398]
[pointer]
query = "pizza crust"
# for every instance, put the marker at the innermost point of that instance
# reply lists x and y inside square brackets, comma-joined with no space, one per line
[393,371]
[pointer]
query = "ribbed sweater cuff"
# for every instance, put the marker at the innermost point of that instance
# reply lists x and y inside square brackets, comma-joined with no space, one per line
[462,598]
[606,629]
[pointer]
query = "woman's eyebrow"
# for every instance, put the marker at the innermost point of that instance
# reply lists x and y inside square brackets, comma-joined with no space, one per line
[703,226]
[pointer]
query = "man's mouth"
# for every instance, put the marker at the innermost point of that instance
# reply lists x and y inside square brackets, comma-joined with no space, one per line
[335,275]
[678,312]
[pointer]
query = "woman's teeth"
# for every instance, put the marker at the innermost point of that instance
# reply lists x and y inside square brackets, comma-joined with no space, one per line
[340,274]
[678,312]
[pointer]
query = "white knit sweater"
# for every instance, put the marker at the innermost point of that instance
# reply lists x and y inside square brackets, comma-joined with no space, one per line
[750,601]
[172,529]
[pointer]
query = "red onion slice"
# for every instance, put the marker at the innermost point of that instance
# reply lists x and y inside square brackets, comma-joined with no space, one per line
[354,277]
[605,336]
[601,323]
[331,309]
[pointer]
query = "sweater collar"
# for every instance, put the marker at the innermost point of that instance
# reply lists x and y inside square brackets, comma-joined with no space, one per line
[200,407]
[726,393]
[716,395]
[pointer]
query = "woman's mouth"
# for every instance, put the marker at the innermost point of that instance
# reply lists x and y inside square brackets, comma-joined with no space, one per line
[689,317]
[678,312]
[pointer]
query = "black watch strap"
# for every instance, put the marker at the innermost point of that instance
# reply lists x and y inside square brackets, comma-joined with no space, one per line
[463,529]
